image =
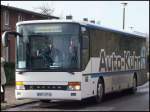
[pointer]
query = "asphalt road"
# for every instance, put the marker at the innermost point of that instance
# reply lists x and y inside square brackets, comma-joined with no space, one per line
[121,101]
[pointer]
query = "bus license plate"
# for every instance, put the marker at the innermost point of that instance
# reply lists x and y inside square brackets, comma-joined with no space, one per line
[44,94]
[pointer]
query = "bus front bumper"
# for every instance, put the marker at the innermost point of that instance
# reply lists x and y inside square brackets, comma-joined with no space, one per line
[48,94]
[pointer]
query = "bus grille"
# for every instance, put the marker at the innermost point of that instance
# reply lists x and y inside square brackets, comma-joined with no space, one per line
[45,87]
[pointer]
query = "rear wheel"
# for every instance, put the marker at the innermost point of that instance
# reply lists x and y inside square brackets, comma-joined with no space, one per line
[134,86]
[100,91]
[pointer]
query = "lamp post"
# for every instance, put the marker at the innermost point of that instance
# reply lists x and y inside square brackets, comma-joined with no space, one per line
[124,4]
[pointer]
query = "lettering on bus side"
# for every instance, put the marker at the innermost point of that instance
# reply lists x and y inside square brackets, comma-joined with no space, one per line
[113,62]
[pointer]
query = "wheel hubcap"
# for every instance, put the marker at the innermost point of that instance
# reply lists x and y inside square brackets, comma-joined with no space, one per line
[134,83]
[100,91]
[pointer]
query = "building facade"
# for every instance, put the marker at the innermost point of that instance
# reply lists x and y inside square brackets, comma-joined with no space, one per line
[9,17]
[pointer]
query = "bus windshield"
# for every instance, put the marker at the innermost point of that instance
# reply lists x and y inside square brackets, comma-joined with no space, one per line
[52,46]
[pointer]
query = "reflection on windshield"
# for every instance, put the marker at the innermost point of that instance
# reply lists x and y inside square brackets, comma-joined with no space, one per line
[49,51]
[51,55]
[55,51]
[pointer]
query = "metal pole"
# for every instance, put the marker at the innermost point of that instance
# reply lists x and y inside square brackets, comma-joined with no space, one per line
[124,4]
[123,17]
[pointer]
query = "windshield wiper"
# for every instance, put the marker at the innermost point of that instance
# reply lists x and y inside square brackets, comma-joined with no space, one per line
[71,73]
[54,66]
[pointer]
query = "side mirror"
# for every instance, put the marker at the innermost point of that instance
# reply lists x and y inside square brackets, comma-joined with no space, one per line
[5,37]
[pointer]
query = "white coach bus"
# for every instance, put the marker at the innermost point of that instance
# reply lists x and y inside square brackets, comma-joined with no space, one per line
[69,60]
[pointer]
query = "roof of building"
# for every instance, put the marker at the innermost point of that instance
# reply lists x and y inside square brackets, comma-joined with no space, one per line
[91,25]
[27,11]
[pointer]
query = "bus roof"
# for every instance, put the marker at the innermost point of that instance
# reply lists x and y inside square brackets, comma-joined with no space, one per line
[90,25]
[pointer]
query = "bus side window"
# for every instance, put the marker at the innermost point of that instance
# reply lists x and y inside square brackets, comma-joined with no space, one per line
[85,47]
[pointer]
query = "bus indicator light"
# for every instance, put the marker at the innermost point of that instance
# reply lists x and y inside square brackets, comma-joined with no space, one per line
[74,86]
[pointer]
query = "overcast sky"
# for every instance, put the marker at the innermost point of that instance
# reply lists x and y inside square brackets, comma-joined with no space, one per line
[108,13]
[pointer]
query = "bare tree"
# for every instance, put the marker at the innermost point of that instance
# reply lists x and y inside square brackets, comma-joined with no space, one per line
[45,8]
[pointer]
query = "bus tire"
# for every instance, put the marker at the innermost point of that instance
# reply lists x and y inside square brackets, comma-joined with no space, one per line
[100,91]
[134,83]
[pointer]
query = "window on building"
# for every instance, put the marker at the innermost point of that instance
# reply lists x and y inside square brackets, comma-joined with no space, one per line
[20,17]
[6,17]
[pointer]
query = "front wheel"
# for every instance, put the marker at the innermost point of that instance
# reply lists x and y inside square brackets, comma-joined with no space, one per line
[100,91]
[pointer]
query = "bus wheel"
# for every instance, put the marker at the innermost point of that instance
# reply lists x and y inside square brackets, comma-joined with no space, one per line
[134,86]
[100,91]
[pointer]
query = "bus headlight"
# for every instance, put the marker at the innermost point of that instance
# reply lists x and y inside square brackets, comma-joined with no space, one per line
[20,85]
[74,86]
